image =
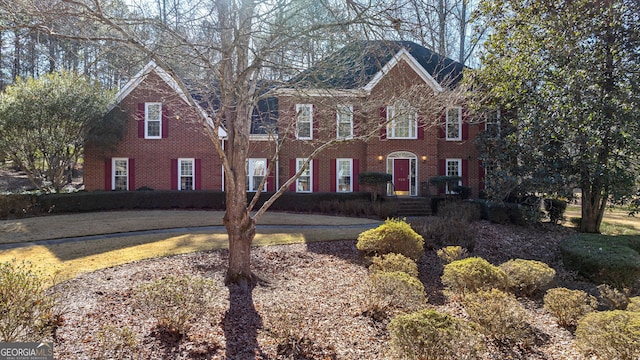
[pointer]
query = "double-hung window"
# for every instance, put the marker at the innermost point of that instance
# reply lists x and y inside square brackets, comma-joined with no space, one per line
[186,174]
[344,114]
[344,170]
[454,168]
[454,124]
[256,171]
[304,121]
[120,173]
[153,120]
[304,181]
[402,121]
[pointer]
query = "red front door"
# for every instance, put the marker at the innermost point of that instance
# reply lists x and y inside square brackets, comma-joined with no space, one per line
[401,174]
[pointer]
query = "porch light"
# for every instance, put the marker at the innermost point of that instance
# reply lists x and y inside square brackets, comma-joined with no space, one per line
[424,158]
[380,158]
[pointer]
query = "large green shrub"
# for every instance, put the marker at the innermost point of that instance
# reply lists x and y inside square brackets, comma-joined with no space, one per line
[394,262]
[27,313]
[499,315]
[175,302]
[603,259]
[568,306]
[610,335]
[389,292]
[428,334]
[526,277]
[394,236]
[472,274]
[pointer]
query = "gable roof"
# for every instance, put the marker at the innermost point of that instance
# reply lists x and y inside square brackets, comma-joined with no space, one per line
[136,80]
[361,64]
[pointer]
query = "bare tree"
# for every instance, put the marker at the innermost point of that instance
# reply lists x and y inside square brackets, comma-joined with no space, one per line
[236,45]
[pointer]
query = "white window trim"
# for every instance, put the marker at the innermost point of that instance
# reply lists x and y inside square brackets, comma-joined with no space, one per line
[446,169]
[391,114]
[250,162]
[146,121]
[459,122]
[193,175]
[338,160]
[113,172]
[298,112]
[310,167]
[349,108]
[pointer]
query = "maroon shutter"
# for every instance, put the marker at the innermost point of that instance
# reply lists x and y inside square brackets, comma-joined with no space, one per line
[354,176]
[383,122]
[315,170]
[465,125]
[443,125]
[108,186]
[420,127]
[465,172]
[165,122]
[443,167]
[140,119]
[198,174]
[132,174]
[174,174]
[333,176]
[292,173]
[315,122]
[271,183]
[481,175]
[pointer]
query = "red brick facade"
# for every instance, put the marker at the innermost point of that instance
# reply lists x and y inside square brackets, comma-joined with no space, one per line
[152,162]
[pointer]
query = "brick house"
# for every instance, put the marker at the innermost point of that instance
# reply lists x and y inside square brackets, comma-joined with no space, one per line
[375,106]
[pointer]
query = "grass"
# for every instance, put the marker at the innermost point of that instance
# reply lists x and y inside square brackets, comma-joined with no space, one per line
[615,221]
[68,259]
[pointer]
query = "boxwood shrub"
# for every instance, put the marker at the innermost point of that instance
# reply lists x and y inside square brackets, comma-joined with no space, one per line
[603,259]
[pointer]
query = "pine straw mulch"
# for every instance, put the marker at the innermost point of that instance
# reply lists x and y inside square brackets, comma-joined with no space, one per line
[308,306]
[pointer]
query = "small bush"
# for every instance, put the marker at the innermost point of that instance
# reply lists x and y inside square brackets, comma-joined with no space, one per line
[612,298]
[175,302]
[526,277]
[27,313]
[389,292]
[634,304]
[472,274]
[568,306]
[449,254]
[555,209]
[500,316]
[610,335]
[462,210]
[116,343]
[428,334]
[603,259]
[394,236]
[452,232]
[394,262]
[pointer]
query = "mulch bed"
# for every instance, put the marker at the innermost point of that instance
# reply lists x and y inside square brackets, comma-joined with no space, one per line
[309,304]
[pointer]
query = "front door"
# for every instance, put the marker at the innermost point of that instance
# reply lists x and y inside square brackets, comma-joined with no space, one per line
[401,172]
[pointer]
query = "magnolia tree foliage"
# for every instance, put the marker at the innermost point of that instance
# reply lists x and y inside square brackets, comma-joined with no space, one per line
[44,123]
[565,77]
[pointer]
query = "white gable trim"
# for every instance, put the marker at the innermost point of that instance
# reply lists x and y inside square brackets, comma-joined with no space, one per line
[403,54]
[152,66]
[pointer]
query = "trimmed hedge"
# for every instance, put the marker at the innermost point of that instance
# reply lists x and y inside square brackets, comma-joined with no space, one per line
[612,260]
[20,205]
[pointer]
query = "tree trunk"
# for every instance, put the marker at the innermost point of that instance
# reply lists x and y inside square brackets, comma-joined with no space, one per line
[241,229]
[593,205]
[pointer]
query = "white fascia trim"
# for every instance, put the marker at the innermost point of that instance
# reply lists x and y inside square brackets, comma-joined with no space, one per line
[403,54]
[320,92]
